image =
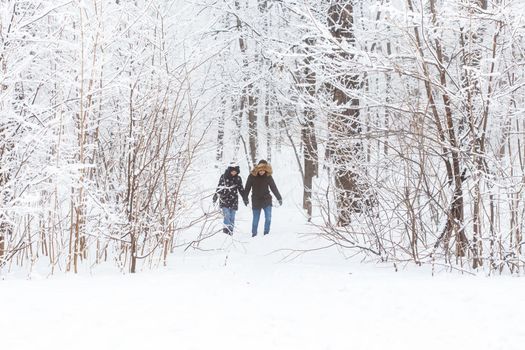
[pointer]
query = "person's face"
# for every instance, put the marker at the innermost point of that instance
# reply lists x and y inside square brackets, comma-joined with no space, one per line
[233,173]
[262,172]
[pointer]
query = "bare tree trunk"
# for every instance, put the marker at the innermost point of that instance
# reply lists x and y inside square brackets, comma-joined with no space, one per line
[268,92]
[471,40]
[456,216]
[6,145]
[248,94]
[310,162]
[310,153]
[2,245]
[447,135]
[267,124]
[78,209]
[252,123]
[131,183]
[220,131]
[430,95]
[5,227]
[238,114]
[344,123]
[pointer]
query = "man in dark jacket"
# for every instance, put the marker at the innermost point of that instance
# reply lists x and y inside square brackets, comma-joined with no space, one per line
[260,182]
[229,184]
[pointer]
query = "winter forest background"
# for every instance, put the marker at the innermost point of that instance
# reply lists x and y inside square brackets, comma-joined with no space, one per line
[404,118]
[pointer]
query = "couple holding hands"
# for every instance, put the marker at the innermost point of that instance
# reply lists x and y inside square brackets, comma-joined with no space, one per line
[259,182]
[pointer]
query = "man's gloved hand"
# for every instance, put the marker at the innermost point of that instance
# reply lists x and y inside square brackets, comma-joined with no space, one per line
[245,202]
[280,202]
[214,198]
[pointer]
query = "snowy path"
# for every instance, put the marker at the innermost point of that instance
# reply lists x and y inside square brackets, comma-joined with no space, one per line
[256,302]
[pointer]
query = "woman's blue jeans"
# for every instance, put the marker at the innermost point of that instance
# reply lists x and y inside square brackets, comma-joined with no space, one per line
[229,219]
[257,216]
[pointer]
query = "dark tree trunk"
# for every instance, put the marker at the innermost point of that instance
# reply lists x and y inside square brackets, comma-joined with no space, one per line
[344,148]
[308,133]
[267,124]
[471,43]
[248,95]
[456,215]
[220,131]
[252,124]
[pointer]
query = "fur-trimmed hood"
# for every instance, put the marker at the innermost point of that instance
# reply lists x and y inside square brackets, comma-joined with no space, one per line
[262,166]
[231,168]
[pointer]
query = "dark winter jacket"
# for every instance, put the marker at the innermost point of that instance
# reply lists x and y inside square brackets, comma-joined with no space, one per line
[261,186]
[227,189]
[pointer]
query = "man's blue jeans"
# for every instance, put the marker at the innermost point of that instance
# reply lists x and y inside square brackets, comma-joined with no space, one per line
[229,219]
[257,216]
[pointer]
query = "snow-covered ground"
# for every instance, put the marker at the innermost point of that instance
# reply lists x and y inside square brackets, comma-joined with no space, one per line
[245,297]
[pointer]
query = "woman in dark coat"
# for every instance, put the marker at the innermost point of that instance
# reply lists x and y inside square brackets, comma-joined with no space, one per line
[229,184]
[260,182]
